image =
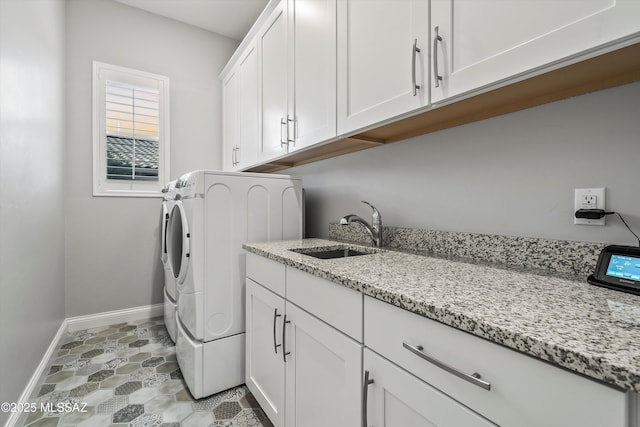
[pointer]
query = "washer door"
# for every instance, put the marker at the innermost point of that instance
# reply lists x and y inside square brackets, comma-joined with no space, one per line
[178,242]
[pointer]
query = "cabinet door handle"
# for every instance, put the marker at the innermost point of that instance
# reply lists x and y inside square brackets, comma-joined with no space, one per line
[275,316]
[414,51]
[473,378]
[365,397]
[436,76]
[291,140]
[285,353]
[283,141]
[237,151]
[233,156]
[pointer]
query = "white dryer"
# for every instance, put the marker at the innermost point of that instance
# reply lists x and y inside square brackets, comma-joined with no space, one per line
[214,214]
[170,291]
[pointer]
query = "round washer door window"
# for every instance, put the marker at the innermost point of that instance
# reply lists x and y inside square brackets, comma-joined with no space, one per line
[178,242]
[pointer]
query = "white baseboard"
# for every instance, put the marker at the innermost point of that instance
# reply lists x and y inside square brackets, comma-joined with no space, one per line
[72,324]
[40,370]
[110,317]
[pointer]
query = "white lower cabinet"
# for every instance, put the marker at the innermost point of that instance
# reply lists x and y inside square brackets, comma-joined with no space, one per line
[301,369]
[504,386]
[323,371]
[395,398]
[306,366]
[264,366]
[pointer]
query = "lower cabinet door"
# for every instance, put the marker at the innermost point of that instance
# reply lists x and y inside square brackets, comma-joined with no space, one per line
[264,360]
[395,398]
[323,371]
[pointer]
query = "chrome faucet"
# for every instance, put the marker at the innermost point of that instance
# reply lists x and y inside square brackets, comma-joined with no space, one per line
[374,230]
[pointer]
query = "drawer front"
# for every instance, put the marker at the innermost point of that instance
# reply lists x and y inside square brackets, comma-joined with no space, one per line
[523,391]
[336,305]
[268,273]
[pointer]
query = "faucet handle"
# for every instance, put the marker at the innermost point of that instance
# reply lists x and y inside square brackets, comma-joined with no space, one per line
[377,218]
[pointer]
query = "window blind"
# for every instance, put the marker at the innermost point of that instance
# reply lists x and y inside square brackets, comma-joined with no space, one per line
[132,132]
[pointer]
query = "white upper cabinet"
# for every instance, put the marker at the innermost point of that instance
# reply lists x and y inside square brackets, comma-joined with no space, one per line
[383,57]
[230,119]
[240,112]
[247,154]
[312,87]
[480,42]
[336,68]
[298,76]
[273,74]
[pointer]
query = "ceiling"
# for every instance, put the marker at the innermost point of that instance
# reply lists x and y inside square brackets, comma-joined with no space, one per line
[231,18]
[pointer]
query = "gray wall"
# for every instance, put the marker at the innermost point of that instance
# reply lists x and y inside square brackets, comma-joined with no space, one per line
[31,187]
[511,175]
[112,243]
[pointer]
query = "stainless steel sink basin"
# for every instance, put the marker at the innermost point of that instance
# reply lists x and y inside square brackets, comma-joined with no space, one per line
[331,252]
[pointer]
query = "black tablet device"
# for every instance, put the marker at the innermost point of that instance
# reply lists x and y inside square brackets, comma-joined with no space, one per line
[618,268]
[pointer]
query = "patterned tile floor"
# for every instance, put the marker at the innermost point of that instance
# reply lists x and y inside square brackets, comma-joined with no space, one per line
[127,375]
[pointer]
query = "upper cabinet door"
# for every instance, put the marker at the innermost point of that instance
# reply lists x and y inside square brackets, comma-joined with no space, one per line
[240,112]
[272,48]
[480,42]
[312,90]
[379,71]
[230,119]
[247,154]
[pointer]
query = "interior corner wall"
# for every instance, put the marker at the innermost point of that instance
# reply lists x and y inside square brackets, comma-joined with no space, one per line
[510,175]
[32,147]
[113,245]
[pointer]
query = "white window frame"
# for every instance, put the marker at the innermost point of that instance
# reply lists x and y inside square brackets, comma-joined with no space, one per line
[119,188]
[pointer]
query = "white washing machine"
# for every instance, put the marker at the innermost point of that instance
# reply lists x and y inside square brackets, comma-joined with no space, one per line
[214,213]
[170,291]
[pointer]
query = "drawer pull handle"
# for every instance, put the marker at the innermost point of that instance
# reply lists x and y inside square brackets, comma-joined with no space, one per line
[275,316]
[473,378]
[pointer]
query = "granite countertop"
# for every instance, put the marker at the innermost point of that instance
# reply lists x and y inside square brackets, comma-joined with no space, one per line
[587,329]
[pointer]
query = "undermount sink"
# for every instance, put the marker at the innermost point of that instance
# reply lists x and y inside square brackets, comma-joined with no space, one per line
[331,252]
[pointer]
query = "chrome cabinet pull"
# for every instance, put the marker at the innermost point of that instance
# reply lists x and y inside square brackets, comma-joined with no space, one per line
[283,141]
[436,76]
[233,157]
[473,378]
[285,353]
[291,140]
[414,51]
[237,151]
[275,316]
[365,397]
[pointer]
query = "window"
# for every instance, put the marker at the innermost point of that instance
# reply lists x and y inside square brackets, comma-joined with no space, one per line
[130,132]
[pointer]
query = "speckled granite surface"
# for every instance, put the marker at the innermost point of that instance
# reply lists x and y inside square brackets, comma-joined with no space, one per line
[584,328]
[562,256]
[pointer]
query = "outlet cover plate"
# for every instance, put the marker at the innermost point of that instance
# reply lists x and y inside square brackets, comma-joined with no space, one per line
[589,198]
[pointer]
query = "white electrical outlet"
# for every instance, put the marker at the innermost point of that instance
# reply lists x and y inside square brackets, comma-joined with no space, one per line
[589,198]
